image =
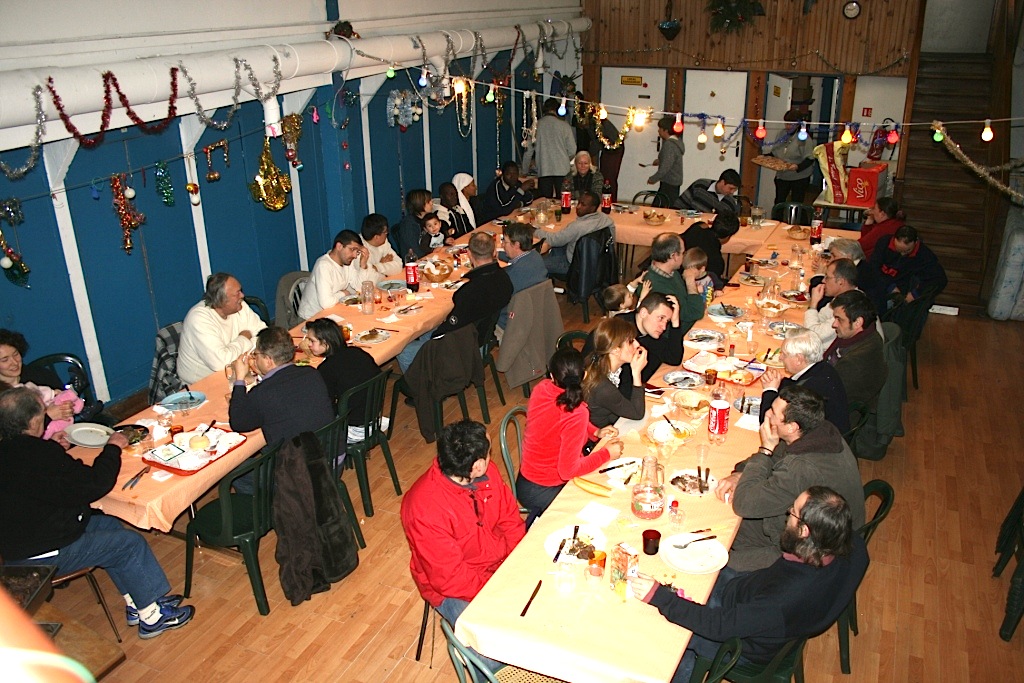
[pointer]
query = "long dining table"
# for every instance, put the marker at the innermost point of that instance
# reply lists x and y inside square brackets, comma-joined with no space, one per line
[589,633]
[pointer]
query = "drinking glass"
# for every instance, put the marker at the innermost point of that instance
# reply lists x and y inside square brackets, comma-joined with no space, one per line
[752,347]
[702,454]
[565,577]
[756,217]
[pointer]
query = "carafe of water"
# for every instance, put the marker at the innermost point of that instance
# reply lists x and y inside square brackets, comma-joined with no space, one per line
[649,494]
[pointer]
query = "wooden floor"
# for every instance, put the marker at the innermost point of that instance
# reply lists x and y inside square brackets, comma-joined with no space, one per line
[929,607]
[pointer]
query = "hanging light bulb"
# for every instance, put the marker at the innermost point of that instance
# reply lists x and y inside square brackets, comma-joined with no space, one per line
[423,78]
[938,136]
[677,127]
[760,132]
[640,119]
[489,97]
[561,108]
[702,137]
[602,113]
[847,136]
[719,129]
[801,134]
[390,73]
[986,133]
[893,137]
[459,85]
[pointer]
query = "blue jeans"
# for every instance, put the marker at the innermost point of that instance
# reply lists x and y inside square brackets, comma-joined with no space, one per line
[698,644]
[122,552]
[556,261]
[407,355]
[534,497]
[451,609]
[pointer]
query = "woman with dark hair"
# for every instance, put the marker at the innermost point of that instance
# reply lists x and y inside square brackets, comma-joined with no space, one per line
[881,220]
[343,367]
[13,373]
[557,430]
[610,395]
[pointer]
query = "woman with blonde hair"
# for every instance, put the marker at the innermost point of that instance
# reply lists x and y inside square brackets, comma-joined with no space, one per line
[609,394]
[583,177]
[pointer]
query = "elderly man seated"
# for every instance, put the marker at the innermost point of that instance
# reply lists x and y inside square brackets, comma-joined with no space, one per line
[216,330]
[799,449]
[46,519]
[339,272]
[559,247]
[525,266]
[856,352]
[712,196]
[799,595]
[802,355]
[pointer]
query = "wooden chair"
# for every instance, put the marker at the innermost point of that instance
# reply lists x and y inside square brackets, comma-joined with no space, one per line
[848,619]
[237,519]
[785,666]
[512,419]
[466,661]
[373,435]
[725,659]
[87,572]
[332,436]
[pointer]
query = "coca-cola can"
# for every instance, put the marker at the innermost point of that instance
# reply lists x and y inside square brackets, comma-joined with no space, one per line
[412,275]
[718,418]
[566,201]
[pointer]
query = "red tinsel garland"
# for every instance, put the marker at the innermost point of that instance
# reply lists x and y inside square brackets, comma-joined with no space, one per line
[110,83]
[127,214]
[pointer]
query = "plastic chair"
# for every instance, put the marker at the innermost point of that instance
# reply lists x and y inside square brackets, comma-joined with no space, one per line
[71,371]
[423,629]
[568,339]
[87,572]
[237,519]
[261,308]
[592,268]
[848,619]
[374,435]
[861,411]
[725,659]
[1010,543]
[911,319]
[649,198]
[485,332]
[796,214]
[331,437]
[466,661]
[786,665]
[288,297]
[512,419]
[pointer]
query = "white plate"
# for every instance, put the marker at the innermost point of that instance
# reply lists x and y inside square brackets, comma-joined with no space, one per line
[182,440]
[683,379]
[391,285]
[88,434]
[183,400]
[705,557]
[752,406]
[696,339]
[661,431]
[551,544]
[780,327]
[712,482]
[718,313]
[629,466]
[751,280]
[381,336]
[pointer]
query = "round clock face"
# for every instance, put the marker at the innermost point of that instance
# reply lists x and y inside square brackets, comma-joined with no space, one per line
[851,10]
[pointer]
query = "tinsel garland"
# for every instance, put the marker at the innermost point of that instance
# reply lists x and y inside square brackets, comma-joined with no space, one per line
[110,83]
[236,91]
[164,184]
[530,130]
[213,176]
[403,108]
[37,140]
[13,266]
[981,171]
[292,127]
[730,16]
[127,214]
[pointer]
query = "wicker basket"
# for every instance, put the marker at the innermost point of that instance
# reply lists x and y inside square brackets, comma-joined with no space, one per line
[437,270]
[654,218]
[798,232]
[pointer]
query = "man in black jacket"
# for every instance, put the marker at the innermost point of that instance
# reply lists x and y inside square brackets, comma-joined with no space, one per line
[907,269]
[800,595]
[803,358]
[45,516]
[657,321]
[712,238]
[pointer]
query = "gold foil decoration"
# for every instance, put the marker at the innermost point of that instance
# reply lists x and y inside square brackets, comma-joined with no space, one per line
[270,186]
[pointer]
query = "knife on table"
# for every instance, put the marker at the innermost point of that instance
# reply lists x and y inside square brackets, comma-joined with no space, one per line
[558,552]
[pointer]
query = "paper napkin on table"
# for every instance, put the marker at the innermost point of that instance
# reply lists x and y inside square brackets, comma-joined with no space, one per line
[749,421]
[389,319]
[335,317]
[598,514]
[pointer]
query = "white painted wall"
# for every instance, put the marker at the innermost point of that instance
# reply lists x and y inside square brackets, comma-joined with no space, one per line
[886,97]
[780,94]
[956,26]
[711,92]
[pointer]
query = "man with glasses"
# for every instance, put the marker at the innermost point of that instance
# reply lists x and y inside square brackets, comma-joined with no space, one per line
[802,356]
[800,595]
[799,449]
[840,276]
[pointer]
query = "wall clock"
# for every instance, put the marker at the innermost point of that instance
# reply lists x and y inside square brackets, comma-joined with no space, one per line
[851,10]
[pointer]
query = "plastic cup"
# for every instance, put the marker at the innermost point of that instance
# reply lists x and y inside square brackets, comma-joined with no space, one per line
[652,541]
[710,377]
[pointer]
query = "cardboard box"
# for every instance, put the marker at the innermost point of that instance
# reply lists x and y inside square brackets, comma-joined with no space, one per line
[863,183]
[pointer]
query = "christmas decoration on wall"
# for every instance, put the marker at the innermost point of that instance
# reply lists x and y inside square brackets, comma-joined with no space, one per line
[670,27]
[240,65]
[986,173]
[127,214]
[213,176]
[164,184]
[292,133]
[529,129]
[37,140]
[730,16]
[403,108]
[270,186]
[13,266]
[110,84]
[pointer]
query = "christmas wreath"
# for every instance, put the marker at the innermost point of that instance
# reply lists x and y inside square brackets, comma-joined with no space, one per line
[729,16]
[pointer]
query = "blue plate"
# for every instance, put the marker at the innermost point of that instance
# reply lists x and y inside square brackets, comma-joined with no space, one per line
[391,285]
[183,400]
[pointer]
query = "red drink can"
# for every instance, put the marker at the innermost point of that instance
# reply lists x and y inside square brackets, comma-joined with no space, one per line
[566,201]
[718,418]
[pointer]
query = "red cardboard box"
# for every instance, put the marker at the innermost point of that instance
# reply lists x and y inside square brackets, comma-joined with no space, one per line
[862,184]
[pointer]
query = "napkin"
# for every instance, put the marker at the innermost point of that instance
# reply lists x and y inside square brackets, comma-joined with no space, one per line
[597,514]
[389,319]
[421,296]
[335,317]
[749,422]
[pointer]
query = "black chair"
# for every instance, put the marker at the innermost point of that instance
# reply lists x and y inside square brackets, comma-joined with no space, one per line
[423,629]
[511,419]
[795,214]
[373,435]
[1010,543]
[592,269]
[71,371]
[911,319]
[650,198]
[489,342]
[568,339]
[786,665]
[237,519]
[261,309]
[859,415]
[848,619]
[725,659]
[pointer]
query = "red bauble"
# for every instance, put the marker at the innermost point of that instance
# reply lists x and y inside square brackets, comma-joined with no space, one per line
[290,154]
[403,128]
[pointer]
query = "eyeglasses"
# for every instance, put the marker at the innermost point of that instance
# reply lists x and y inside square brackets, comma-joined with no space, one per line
[792,513]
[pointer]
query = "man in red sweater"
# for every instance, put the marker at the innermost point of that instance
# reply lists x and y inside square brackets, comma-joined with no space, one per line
[461,520]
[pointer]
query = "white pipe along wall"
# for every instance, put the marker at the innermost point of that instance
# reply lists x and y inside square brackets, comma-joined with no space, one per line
[146,81]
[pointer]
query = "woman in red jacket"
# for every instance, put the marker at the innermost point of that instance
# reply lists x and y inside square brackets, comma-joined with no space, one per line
[557,430]
[883,219]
